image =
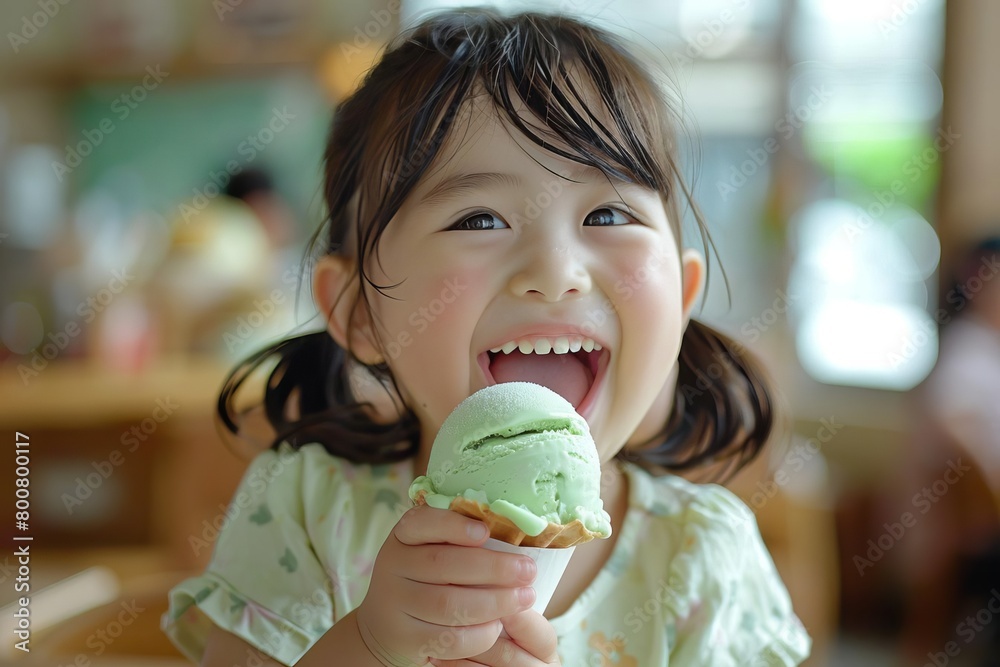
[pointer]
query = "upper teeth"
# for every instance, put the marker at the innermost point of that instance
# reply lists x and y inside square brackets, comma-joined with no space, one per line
[560,345]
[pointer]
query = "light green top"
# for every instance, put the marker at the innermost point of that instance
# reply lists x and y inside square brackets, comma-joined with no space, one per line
[689,581]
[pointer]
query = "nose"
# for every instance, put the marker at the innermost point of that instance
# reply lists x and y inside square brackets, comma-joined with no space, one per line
[552,272]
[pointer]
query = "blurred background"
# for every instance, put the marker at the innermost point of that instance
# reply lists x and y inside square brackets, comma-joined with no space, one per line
[159,178]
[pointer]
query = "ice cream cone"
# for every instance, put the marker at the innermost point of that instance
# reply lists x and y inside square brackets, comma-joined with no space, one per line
[519,457]
[554,536]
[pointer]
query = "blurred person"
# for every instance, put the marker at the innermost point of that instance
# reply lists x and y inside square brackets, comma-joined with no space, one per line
[964,393]
[952,559]
[227,282]
[255,187]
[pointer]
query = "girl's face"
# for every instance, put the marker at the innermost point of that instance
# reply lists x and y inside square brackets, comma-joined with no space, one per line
[494,248]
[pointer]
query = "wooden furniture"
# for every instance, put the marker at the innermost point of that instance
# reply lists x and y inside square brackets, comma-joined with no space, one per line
[128,627]
[126,472]
[122,462]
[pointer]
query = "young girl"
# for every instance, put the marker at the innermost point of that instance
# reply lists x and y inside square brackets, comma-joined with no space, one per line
[504,204]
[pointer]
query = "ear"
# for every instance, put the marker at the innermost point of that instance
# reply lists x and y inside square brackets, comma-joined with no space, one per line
[693,273]
[336,289]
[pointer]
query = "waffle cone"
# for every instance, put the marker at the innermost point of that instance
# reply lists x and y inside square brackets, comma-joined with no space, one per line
[555,535]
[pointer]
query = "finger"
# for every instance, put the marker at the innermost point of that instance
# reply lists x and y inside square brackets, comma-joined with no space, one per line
[532,632]
[428,525]
[466,566]
[457,663]
[461,605]
[446,643]
[504,653]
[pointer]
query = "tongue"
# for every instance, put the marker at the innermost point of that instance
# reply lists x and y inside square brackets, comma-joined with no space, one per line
[562,373]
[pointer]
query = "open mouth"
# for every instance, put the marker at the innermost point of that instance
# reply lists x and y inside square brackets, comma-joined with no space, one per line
[574,375]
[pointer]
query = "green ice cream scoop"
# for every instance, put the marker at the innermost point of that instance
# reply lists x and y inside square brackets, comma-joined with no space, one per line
[523,450]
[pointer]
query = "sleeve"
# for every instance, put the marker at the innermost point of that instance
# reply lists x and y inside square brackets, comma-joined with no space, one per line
[264,583]
[730,607]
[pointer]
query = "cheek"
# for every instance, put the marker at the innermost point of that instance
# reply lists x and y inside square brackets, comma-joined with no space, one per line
[648,297]
[658,300]
[648,283]
[433,309]
[451,301]
[429,331]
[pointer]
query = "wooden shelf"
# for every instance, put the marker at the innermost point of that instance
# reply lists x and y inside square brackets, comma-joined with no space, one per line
[74,394]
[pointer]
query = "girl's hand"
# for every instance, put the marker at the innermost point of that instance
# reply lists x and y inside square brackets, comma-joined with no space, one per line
[531,643]
[435,594]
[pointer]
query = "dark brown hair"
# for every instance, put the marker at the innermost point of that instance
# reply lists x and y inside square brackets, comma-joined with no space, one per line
[386,135]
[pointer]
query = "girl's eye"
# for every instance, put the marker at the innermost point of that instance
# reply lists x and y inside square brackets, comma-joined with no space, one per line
[606,217]
[481,221]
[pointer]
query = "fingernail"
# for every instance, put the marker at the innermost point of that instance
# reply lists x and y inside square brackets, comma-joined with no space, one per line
[526,569]
[477,531]
[526,596]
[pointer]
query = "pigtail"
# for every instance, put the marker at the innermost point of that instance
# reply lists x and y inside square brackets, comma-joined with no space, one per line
[724,411]
[312,374]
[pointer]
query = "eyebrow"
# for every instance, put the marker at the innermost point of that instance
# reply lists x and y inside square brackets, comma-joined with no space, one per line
[459,184]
